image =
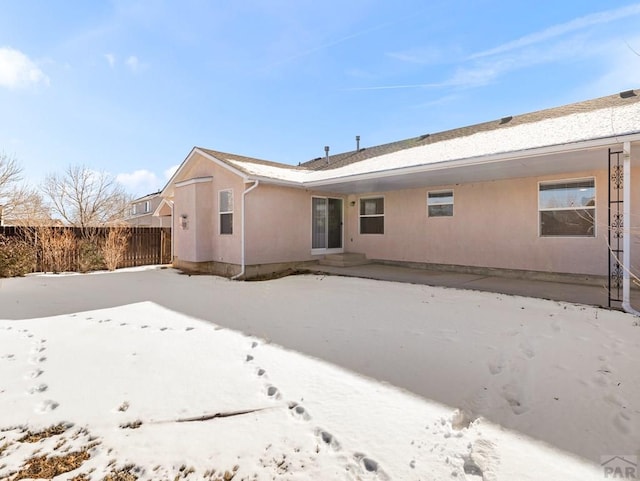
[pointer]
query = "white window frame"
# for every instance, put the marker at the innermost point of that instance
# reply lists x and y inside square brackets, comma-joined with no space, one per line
[592,208]
[221,212]
[360,216]
[442,191]
[147,206]
[134,209]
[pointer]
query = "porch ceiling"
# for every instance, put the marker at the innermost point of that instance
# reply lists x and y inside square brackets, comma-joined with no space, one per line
[448,174]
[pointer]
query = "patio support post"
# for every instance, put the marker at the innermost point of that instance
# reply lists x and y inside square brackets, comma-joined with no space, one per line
[626,239]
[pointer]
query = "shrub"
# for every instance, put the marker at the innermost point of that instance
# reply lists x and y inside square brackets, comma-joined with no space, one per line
[17,257]
[90,255]
[58,247]
[115,245]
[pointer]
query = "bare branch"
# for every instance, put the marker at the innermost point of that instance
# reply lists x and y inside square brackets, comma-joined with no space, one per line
[85,198]
[10,173]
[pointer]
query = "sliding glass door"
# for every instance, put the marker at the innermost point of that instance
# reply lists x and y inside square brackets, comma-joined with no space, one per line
[326,223]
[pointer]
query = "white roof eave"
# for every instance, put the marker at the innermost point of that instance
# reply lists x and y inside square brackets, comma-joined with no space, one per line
[489,160]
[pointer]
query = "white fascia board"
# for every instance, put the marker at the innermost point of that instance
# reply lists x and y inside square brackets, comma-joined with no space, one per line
[274,181]
[222,164]
[168,202]
[166,192]
[486,159]
[197,180]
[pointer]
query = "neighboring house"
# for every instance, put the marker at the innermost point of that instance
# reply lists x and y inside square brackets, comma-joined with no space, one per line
[141,213]
[527,195]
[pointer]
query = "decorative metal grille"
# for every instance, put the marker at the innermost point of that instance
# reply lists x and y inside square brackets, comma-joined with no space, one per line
[616,227]
[617,175]
[616,276]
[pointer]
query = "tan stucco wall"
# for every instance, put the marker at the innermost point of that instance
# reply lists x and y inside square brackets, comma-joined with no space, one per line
[495,224]
[279,224]
[201,240]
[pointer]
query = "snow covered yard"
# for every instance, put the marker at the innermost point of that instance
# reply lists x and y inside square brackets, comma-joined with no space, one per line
[149,393]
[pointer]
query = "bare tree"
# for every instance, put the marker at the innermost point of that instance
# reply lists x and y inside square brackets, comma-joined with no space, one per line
[9,177]
[25,206]
[85,198]
[10,172]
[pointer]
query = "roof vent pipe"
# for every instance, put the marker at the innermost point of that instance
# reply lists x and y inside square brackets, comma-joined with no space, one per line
[326,153]
[357,143]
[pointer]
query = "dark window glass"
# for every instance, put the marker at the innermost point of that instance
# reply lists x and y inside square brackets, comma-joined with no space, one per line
[443,210]
[578,222]
[372,225]
[372,206]
[226,223]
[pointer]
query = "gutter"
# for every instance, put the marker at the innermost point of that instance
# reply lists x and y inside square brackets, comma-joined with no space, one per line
[173,234]
[626,239]
[243,261]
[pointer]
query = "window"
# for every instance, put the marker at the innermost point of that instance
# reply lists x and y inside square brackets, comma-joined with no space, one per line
[147,206]
[225,207]
[134,209]
[372,216]
[567,208]
[440,204]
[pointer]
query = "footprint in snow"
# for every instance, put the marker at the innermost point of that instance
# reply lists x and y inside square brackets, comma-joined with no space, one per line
[299,412]
[254,344]
[623,422]
[9,357]
[514,395]
[249,358]
[37,359]
[496,365]
[327,439]
[189,329]
[46,406]
[273,392]
[33,374]
[38,389]
[260,372]
[370,466]
[527,349]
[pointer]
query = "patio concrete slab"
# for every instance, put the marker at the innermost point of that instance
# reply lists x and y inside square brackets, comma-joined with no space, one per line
[557,291]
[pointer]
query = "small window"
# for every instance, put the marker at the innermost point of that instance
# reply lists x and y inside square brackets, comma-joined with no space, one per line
[134,209]
[225,207]
[147,206]
[372,216]
[567,208]
[440,204]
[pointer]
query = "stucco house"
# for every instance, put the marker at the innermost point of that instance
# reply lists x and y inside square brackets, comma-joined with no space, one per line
[544,194]
[142,210]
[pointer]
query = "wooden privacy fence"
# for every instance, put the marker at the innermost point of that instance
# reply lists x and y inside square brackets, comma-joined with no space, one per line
[146,245]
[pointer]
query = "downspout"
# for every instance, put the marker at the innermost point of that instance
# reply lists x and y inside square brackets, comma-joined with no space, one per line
[626,238]
[173,241]
[242,232]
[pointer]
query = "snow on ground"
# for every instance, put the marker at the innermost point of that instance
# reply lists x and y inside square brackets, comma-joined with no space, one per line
[161,395]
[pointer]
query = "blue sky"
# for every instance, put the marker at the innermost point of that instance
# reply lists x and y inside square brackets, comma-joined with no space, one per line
[130,87]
